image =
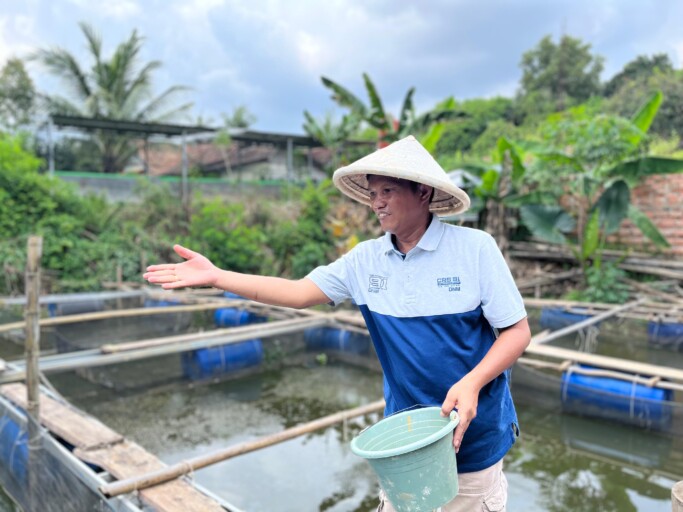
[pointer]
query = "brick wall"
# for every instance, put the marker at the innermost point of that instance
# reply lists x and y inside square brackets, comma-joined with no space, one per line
[661,199]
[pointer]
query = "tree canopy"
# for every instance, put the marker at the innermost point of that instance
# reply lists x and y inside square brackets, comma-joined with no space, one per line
[17,96]
[118,88]
[557,76]
[641,68]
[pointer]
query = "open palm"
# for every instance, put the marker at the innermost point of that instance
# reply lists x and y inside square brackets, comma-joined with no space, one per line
[197,270]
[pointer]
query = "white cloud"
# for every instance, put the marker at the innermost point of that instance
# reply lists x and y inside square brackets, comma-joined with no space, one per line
[17,37]
[120,9]
[678,47]
[311,52]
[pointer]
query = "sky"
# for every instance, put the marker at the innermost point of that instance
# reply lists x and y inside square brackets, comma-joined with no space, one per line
[269,55]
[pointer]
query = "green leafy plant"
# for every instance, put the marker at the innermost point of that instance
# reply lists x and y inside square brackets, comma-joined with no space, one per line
[218,230]
[584,168]
[389,128]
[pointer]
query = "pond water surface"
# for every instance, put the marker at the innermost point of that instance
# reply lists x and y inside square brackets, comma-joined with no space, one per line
[560,462]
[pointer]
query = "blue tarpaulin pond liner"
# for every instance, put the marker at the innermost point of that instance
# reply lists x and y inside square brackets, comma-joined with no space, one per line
[557,318]
[74,308]
[155,303]
[212,362]
[217,361]
[413,456]
[233,317]
[667,334]
[14,449]
[329,338]
[615,399]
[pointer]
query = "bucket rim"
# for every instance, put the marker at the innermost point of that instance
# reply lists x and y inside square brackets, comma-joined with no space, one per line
[452,422]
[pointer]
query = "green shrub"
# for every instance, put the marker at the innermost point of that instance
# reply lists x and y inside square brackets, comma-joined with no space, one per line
[219,232]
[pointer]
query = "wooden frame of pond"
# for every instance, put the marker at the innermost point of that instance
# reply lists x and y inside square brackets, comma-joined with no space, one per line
[161,487]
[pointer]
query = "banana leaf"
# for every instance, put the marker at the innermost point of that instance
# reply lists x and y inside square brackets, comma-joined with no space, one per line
[547,222]
[344,97]
[407,110]
[646,114]
[612,206]
[591,235]
[535,197]
[489,184]
[646,166]
[518,168]
[647,227]
[431,139]
[377,116]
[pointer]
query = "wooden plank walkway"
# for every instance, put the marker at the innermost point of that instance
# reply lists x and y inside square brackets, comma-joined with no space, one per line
[96,443]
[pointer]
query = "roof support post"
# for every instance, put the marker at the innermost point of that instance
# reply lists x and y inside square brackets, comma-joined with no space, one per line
[183,185]
[50,147]
[290,159]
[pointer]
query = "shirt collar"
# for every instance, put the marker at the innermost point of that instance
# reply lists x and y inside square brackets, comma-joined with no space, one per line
[429,241]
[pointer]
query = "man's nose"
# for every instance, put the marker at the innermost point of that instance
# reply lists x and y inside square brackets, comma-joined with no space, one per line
[377,202]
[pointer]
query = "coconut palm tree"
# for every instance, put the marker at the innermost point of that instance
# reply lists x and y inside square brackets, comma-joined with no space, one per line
[118,88]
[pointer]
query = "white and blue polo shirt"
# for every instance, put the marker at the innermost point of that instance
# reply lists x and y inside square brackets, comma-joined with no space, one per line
[431,317]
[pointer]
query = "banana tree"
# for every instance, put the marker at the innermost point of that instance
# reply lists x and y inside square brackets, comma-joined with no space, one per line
[331,134]
[501,189]
[588,167]
[390,128]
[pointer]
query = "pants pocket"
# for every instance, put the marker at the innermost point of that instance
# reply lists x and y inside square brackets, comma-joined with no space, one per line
[496,500]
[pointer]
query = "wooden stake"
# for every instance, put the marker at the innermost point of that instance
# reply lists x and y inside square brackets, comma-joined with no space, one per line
[190,465]
[35,251]
[32,315]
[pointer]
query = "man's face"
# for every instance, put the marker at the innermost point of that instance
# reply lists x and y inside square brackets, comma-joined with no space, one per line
[396,203]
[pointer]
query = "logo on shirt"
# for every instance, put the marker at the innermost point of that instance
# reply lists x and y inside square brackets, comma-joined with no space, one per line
[452,283]
[377,283]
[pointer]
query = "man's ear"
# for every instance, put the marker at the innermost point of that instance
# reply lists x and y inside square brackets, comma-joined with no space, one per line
[425,191]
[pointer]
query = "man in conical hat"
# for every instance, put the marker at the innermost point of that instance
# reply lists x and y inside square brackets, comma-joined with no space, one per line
[441,306]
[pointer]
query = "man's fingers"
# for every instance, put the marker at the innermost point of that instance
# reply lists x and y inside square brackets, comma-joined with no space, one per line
[161,276]
[165,266]
[459,433]
[184,252]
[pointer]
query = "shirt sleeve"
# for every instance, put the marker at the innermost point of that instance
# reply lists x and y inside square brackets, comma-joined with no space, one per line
[500,299]
[334,279]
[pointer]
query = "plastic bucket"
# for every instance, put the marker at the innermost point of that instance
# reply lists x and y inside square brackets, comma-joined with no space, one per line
[413,456]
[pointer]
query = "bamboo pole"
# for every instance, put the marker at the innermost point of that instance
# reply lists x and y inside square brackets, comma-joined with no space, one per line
[636,367]
[646,311]
[670,297]
[193,464]
[257,330]
[35,251]
[587,323]
[183,343]
[628,377]
[66,298]
[124,313]
[548,279]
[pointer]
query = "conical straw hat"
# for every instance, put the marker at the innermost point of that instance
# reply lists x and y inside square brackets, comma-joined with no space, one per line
[405,159]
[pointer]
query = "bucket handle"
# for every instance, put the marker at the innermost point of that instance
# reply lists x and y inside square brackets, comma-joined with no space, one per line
[453,416]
